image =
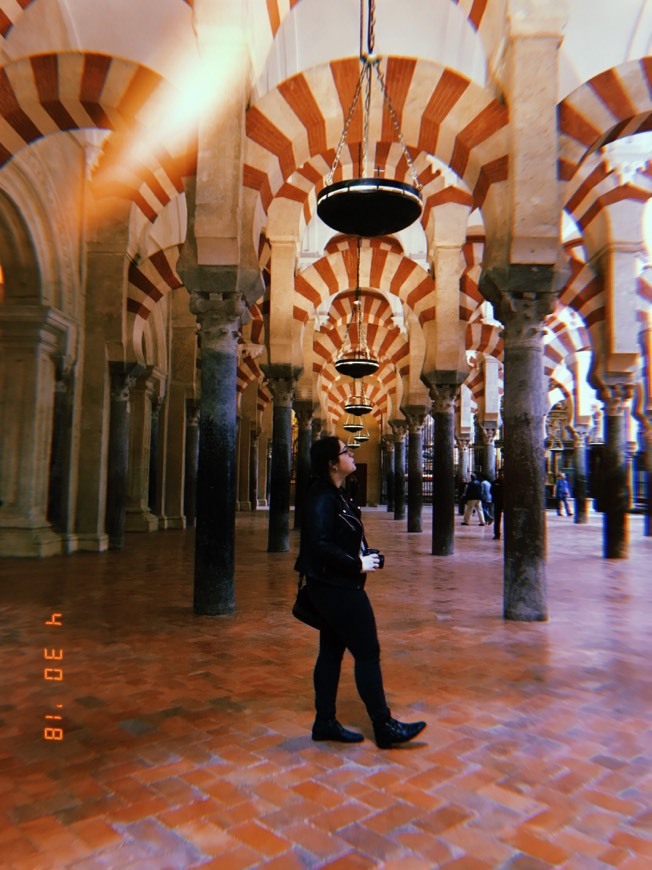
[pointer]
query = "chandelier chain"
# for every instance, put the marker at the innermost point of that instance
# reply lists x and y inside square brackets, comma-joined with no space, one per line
[397,129]
[345,131]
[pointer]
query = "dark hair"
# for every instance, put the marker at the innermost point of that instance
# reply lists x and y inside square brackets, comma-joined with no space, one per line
[322,452]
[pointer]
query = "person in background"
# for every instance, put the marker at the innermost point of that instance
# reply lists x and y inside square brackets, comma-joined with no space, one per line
[485,486]
[335,560]
[562,494]
[473,499]
[497,502]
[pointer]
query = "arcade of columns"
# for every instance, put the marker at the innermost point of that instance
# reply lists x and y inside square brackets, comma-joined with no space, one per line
[103,435]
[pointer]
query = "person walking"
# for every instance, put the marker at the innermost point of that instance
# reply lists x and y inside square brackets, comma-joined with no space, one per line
[485,488]
[497,501]
[473,499]
[335,560]
[562,494]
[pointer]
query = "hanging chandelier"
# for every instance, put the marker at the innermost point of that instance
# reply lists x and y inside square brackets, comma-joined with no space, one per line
[352,424]
[356,360]
[358,404]
[369,206]
[362,436]
[352,444]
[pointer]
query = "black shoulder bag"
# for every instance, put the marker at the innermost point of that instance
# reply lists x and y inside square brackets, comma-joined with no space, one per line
[304,610]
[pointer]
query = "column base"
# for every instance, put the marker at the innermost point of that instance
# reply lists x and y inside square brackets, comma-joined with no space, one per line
[176,522]
[140,521]
[29,542]
[93,543]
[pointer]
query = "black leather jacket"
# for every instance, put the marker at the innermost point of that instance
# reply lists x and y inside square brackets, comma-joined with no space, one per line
[331,537]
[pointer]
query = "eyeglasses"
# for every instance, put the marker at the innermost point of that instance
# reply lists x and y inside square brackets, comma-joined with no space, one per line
[346,450]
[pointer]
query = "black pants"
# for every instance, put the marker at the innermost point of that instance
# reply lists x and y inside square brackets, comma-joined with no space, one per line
[498,515]
[350,625]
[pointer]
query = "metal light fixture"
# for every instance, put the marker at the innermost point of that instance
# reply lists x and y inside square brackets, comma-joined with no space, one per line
[352,444]
[358,404]
[362,436]
[352,424]
[356,361]
[369,206]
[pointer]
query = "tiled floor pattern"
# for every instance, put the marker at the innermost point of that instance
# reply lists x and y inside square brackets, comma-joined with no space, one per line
[186,739]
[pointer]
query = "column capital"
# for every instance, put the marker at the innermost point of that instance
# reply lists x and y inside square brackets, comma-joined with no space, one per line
[123,379]
[399,430]
[489,432]
[615,398]
[388,443]
[443,397]
[415,416]
[219,316]
[281,381]
[303,410]
[522,296]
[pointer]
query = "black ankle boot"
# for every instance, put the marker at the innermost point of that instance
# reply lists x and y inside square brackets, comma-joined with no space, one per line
[392,731]
[330,729]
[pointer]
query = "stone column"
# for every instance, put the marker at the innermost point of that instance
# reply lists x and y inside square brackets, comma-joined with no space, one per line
[281,385]
[416,418]
[219,316]
[123,379]
[443,469]
[59,488]
[522,296]
[489,441]
[138,517]
[303,411]
[580,440]
[254,442]
[30,341]
[524,498]
[317,426]
[646,445]
[615,489]
[153,489]
[400,429]
[389,471]
[191,460]
[463,445]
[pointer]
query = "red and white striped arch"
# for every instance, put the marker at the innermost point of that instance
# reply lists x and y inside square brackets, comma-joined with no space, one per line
[52,93]
[470,297]
[302,119]
[379,268]
[598,188]
[151,280]
[614,104]
[485,338]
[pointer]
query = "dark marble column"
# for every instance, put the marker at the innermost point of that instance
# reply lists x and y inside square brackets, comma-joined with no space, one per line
[616,497]
[317,426]
[580,440]
[463,446]
[220,318]
[153,481]
[61,451]
[254,443]
[415,418]
[122,380]
[399,428]
[389,471]
[191,460]
[443,468]
[303,411]
[646,438]
[522,296]
[489,441]
[281,386]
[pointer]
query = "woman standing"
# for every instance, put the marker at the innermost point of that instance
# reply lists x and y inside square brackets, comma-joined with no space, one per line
[331,557]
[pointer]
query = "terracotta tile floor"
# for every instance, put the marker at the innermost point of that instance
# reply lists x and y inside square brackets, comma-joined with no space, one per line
[186,739]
